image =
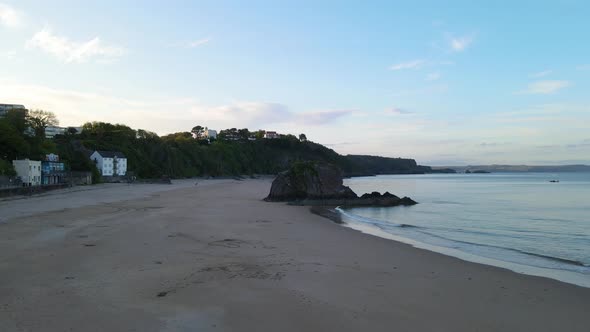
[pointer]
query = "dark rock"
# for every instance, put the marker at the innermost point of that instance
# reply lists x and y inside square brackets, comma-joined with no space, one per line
[310,183]
[374,194]
[407,201]
[387,194]
[309,180]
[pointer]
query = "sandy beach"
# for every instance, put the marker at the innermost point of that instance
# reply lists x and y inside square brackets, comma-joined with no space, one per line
[215,257]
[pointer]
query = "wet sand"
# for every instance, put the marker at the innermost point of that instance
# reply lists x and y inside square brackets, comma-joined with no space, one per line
[214,257]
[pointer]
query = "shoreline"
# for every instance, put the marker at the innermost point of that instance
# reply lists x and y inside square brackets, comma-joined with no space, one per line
[217,257]
[565,276]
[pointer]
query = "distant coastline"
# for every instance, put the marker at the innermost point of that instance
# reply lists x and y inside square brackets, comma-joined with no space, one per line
[516,168]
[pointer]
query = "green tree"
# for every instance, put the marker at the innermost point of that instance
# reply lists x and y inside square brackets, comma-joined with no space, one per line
[259,134]
[198,131]
[12,142]
[244,134]
[39,120]
[302,137]
[6,168]
[17,118]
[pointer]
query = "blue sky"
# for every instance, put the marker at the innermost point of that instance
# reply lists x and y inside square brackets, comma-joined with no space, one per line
[448,84]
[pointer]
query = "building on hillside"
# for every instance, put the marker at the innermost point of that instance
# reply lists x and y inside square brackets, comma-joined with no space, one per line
[52,170]
[28,171]
[206,134]
[51,131]
[110,163]
[4,108]
[271,135]
[210,134]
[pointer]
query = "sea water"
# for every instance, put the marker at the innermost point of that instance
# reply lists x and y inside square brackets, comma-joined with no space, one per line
[520,221]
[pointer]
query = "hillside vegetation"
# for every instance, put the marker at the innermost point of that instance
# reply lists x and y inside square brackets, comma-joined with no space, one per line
[236,152]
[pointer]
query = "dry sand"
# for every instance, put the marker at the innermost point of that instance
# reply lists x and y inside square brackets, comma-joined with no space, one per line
[214,257]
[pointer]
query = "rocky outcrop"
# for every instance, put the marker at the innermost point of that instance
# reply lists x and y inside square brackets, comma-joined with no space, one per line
[311,183]
[387,199]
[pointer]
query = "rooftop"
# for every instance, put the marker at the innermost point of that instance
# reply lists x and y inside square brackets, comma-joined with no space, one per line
[111,154]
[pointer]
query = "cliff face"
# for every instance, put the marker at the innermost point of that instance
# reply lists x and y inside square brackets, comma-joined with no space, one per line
[312,183]
[359,165]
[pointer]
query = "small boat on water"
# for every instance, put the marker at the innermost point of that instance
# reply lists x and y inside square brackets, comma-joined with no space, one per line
[554,181]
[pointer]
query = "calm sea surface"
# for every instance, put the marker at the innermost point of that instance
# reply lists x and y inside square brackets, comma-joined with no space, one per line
[519,221]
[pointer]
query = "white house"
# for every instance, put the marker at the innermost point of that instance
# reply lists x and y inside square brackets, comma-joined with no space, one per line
[110,163]
[29,171]
[207,134]
[271,135]
[210,134]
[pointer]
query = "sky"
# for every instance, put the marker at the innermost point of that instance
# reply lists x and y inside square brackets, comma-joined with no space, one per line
[446,83]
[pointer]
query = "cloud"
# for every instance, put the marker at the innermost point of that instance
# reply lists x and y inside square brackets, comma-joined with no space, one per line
[321,117]
[433,76]
[397,111]
[583,67]
[259,113]
[414,64]
[197,43]
[10,17]
[541,74]
[545,87]
[76,107]
[459,44]
[248,113]
[74,52]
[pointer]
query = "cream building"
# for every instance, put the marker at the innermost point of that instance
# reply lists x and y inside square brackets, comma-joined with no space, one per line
[29,171]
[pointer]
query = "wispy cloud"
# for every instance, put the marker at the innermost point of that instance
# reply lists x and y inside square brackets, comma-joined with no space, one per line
[397,111]
[71,51]
[321,117]
[10,17]
[198,42]
[545,87]
[433,76]
[541,74]
[583,67]
[414,64]
[76,107]
[460,44]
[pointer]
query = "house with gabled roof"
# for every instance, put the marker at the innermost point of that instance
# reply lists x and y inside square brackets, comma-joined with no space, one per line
[110,163]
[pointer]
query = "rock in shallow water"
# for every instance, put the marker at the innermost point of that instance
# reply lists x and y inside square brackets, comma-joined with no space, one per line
[311,183]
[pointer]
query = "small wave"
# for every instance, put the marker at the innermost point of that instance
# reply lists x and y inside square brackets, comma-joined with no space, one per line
[553,258]
[427,231]
[375,222]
